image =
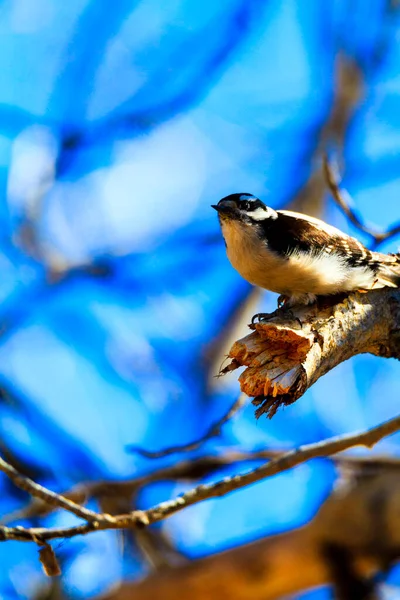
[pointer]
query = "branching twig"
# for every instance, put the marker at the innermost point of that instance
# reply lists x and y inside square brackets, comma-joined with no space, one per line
[204,492]
[186,470]
[344,202]
[38,491]
[213,431]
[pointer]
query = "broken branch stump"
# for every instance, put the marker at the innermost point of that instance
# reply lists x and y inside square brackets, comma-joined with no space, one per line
[285,355]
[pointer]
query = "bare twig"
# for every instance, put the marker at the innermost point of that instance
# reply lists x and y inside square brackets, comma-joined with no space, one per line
[38,491]
[286,461]
[213,431]
[343,200]
[49,561]
[204,492]
[186,470]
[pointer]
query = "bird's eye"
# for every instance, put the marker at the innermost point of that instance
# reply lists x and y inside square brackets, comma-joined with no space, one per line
[246,206]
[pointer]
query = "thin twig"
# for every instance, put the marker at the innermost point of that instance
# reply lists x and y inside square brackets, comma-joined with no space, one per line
[213,490]
[213,431]
[186,470]
[38,491]
[289,460]
[343,200]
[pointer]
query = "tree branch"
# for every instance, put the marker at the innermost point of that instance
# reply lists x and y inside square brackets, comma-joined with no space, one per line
[271,568]
[284,359]
[185,470]
[38,491]
[213,431]
[343,200]
[200,493]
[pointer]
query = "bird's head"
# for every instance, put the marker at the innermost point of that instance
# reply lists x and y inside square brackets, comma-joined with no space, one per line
[243,207]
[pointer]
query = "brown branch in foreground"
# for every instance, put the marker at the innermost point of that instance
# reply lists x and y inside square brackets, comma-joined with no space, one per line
[271,568]
[343,200]
[284,359]
[213,431]
[213,490]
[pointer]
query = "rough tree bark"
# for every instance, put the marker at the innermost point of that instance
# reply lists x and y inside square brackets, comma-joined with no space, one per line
[285,355]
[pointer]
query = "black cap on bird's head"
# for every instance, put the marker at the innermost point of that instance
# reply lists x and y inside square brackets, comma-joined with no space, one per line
[242,207]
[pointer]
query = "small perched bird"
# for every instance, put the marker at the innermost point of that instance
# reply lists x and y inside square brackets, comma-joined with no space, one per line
[298,256]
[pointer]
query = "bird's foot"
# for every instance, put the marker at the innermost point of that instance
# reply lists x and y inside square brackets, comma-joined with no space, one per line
[285,306]
[282,312]
[258,317]
[282,301]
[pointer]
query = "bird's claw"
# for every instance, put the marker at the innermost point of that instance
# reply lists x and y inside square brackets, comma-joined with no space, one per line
[262,317]
[281,313]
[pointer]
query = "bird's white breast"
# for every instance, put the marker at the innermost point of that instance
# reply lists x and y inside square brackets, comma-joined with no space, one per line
[300,273]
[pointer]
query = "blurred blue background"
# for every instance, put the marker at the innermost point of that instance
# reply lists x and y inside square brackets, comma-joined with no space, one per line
[120,123]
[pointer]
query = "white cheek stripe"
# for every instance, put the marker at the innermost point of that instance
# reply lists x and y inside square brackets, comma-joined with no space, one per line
[260,214]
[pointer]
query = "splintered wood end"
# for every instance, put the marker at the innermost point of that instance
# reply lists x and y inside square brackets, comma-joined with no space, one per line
[274,354]
[287,353]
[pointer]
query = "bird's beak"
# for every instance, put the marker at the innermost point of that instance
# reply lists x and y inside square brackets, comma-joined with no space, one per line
[225,209]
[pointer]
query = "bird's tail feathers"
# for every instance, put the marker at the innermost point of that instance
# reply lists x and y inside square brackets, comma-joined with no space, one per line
[389,270]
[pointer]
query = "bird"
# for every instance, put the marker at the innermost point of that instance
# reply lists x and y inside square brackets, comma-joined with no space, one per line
[300,257]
